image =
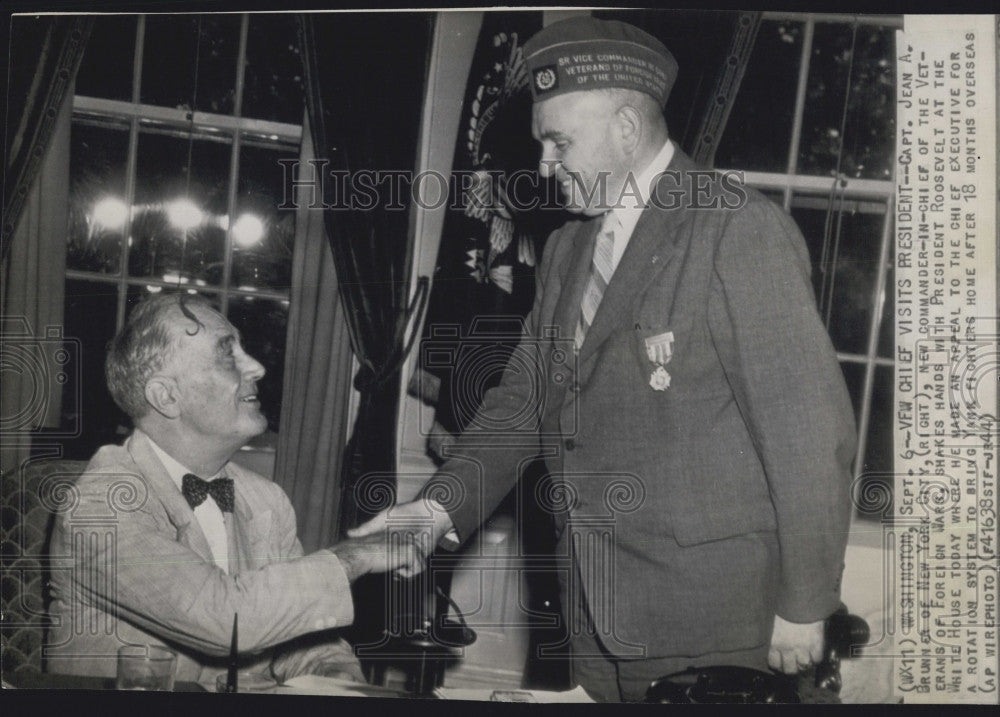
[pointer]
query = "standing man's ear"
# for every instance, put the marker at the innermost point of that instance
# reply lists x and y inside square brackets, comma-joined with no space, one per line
[629,127]
[163,395]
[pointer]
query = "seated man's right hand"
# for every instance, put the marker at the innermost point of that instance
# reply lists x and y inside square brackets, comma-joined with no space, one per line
[380,553]
[423,522]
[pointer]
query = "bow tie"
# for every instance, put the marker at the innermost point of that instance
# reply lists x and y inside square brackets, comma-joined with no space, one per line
[196,490]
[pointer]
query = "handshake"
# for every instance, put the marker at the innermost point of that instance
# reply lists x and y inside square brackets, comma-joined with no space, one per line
[398,539]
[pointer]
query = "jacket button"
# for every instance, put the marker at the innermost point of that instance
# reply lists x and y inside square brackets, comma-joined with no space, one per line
[570,444]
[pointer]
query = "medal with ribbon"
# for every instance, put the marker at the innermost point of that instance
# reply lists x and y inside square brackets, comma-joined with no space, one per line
[659,350]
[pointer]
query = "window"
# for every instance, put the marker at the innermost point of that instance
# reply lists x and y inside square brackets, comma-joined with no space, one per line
[838,84]
[179,123]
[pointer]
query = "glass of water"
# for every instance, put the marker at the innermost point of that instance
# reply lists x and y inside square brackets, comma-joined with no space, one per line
[146,667]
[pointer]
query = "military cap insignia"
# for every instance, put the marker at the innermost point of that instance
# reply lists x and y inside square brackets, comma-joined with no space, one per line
[546,79]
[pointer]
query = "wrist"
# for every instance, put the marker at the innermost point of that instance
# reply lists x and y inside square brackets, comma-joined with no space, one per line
[442,521]
[350,561]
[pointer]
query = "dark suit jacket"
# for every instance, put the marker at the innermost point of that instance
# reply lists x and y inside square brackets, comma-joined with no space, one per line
[721,500]
[131,565]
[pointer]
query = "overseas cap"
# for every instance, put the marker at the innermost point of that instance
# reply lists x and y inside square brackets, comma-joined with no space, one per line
[582,53]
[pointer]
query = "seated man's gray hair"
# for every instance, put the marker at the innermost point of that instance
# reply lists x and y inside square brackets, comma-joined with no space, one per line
[143,345]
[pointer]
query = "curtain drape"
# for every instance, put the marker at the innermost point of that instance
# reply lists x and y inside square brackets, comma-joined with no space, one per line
[317,381]
[44,56]
[364,107]
[31,308]
[727,86]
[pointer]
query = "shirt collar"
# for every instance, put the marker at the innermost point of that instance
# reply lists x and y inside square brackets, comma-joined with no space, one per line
[628,214]
[175,469]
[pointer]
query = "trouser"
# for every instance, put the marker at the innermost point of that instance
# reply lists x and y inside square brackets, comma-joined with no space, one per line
[610,679]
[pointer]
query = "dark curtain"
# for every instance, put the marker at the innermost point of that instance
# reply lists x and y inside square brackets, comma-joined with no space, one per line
[45,54]
[365,78]
[317,380]
[727,85]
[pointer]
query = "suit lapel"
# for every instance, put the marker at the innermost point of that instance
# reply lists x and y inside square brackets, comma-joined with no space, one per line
[652,247]
[244,552]
[189,532]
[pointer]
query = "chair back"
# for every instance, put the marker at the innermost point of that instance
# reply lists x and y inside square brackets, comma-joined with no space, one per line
[29,499]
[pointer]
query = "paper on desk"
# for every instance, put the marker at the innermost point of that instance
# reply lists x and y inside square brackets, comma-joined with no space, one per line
[540,696]
[318,685]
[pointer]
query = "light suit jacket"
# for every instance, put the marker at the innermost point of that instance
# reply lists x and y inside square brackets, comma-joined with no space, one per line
[131,565]
[696,513]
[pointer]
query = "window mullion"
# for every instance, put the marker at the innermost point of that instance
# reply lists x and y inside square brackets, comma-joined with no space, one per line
[130,169]
[800,108]
[878,301]
[234,166]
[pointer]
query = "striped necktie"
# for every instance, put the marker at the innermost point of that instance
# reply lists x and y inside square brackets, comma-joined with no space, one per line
[601,269]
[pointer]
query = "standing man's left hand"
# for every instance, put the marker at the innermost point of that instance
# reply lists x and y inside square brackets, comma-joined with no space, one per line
[795,646]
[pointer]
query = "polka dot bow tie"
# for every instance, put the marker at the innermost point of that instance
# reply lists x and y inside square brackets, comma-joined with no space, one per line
[196,490]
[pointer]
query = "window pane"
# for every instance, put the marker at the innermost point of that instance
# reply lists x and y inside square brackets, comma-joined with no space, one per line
[758,133]
[136,294]
[262,234]
[273,85]
[887,331]
[870,127]
[854,377]
[776,196]
[868,501]
[106,67]
[191,58]
[849,289]
[263,324]
[90,309]
[878,449]
[179,228]
[98,213]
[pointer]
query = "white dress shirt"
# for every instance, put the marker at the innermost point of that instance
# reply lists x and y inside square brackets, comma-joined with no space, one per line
[208,514]
[624,218]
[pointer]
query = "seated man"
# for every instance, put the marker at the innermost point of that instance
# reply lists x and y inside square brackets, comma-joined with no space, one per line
[167,540]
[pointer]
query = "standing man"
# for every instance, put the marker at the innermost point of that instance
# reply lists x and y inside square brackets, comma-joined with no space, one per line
[166,540]
[705,414]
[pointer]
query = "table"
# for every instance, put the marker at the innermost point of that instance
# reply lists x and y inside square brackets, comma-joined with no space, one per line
[42,681]
[304,685]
